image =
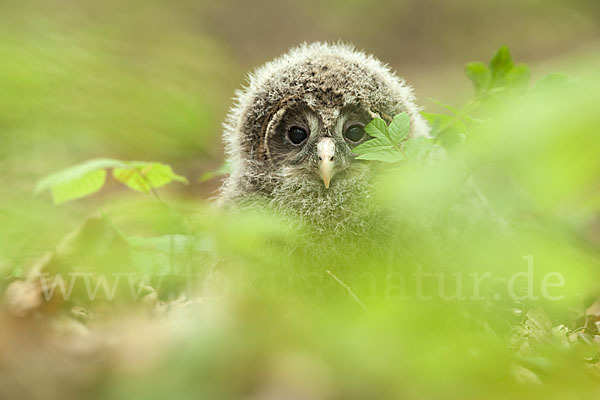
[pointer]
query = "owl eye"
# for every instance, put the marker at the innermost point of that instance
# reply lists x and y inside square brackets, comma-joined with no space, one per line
[354,133]
[297,135]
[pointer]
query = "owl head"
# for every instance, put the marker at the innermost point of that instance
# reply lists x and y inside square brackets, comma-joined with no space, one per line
[290,134]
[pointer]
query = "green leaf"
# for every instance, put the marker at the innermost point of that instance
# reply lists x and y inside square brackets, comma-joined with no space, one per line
[75,172]
[518,77]
[500,65]
[384,146]
[376,144]
[385,155]
[480,75]
[89,177]
[78,181]
[91,182]
[377,128]
[144,176]
[399,127]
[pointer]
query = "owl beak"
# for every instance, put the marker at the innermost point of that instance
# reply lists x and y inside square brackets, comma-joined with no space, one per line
[326,153]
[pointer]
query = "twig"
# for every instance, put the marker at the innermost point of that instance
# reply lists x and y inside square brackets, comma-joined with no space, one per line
[350,291]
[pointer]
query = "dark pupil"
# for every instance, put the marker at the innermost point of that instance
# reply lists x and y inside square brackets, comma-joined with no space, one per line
[297,135]
[355,133]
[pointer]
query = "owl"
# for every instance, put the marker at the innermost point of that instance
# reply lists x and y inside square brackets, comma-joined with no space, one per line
[290,133]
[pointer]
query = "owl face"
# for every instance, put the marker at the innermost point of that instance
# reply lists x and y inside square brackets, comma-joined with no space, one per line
[290,134]
[315,142]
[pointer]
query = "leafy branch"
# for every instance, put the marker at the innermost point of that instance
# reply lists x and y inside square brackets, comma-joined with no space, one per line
[500,77]
[89,177]
[491,82]
[390,143]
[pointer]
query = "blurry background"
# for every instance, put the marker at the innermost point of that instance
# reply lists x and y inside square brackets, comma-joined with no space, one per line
[152,80]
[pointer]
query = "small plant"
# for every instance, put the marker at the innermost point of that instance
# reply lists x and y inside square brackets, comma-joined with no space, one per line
[89,177]
[389,143]
[491,82]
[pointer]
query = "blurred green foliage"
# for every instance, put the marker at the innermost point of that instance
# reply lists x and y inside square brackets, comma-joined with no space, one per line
[250,305]
[281,311]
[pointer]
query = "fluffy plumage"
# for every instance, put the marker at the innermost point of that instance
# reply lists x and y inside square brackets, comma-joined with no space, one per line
[321,89]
